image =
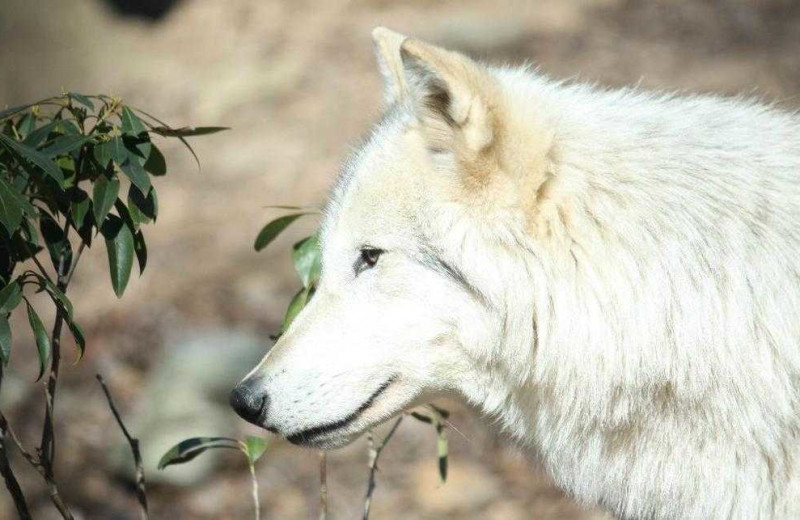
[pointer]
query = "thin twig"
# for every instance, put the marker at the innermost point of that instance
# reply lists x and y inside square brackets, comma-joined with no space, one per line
[254,480]
[323,485]
[8,432]
[47,447]
[68,277]
[374,455]
[38,465]
[141,488]
[7,473]
[55,497]
[36,261]
[110,109]
[11,482]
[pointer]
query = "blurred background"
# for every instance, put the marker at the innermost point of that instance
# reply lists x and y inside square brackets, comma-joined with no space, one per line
[296,82]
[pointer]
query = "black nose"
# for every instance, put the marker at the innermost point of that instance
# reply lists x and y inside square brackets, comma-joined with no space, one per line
[250,405]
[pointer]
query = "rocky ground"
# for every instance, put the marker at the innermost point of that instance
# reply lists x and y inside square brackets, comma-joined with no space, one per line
[297,84]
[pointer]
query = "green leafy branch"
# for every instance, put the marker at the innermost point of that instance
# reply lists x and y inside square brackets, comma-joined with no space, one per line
[252,448]
[64,164]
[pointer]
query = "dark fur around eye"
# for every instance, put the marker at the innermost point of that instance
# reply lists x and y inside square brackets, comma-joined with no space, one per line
[368,258]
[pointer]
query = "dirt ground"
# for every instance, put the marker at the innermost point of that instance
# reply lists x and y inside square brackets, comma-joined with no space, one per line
[297,83]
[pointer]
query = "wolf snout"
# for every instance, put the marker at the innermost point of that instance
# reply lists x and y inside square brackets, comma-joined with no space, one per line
[250,403]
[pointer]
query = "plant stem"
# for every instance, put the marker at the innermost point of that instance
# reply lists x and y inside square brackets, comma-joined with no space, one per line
[8,474]
[256,504]
[71,271]
[8,433]
[323,485]
[374,455]
[141,489]
[11,482]
[37,262]
[47,449]
[39,466]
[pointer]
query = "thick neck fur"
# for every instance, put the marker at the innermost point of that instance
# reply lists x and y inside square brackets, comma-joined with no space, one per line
[637,337]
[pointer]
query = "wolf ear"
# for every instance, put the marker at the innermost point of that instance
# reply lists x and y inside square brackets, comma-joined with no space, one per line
[450,93]
[387,51]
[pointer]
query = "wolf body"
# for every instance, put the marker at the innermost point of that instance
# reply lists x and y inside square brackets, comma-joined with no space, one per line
[613,276]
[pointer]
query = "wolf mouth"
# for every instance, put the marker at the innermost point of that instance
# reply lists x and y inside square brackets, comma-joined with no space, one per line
[307,435]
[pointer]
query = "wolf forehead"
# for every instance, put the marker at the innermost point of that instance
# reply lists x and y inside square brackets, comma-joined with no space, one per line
[367,160]
[392,121]
[389,178]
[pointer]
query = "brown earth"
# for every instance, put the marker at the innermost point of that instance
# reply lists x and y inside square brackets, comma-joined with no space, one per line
[297,83]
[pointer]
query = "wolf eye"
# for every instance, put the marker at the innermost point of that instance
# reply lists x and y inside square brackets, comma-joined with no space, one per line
[368,258]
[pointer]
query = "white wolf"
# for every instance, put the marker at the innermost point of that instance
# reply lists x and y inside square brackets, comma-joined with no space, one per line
[612,275]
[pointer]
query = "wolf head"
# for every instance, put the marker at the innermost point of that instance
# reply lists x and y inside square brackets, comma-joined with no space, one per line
[412,300]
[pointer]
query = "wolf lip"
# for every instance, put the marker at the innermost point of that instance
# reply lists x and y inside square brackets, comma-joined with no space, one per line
[315,432]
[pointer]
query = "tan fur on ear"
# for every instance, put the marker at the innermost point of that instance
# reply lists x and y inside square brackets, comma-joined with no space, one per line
[387,51]
[452,95]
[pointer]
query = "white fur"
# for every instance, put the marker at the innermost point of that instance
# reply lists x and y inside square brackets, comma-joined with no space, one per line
[637,326]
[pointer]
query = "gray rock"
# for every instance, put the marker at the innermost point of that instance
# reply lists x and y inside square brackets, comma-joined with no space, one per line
[186,395]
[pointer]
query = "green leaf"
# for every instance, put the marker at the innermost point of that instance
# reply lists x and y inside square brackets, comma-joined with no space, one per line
[156,164]
[42,341]
[80,338]
[138,148]
[5,339]
[120,248]
[29,233]
[86,231]
[55,240]
[20,181]
[65,144]
[307,260]
[188,449]
[83,100]
[137,217]
[256,446]
[104,193]
[187,131]
[180,138]
[131,124]
[142,209]
[442,448]
[117,150]
[7,265]
[13,192]
[122,211]
[140,247]
[269,232]
[102,153]
[441,441]
[79,206]
[10,207]
[296,208]
[58,297]
[36,158]
[10,297]
[25,243]
[26,125]
[67,126]
[13,110]
[421,417]
[134,171]
[298,302]
[36,137]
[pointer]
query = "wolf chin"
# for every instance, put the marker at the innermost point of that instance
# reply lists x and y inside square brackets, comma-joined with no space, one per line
[613,276]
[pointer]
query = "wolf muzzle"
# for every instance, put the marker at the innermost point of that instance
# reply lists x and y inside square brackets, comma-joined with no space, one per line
[249,403]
